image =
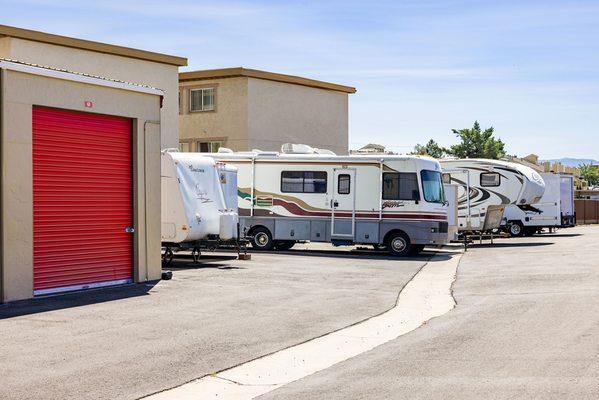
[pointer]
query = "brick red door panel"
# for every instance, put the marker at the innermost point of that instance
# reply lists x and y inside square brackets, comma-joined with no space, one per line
[82,199]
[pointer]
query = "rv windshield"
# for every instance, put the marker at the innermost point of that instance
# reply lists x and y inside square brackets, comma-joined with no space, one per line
[432,186]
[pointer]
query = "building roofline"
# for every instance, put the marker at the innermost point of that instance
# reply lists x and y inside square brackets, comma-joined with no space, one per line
[254,73]
[42,37]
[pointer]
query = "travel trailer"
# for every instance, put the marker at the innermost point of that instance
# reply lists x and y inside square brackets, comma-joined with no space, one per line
[194,209]
[487,187]
[554,210]
[304,194]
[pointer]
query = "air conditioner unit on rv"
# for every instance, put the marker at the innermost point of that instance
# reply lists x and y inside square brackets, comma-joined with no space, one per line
[293,148]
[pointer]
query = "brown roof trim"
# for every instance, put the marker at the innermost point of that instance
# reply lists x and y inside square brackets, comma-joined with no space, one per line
[254,73]
[90,45]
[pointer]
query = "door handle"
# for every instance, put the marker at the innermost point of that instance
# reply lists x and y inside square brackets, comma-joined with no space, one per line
[335,204]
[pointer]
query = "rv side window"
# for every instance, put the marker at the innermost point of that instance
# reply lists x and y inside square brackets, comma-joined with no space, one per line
[490,179]
[303,182]
[343,184]
[400,186]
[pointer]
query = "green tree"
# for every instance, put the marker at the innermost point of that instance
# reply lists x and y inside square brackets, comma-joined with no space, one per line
[477,144]
[590,173]
[432,149]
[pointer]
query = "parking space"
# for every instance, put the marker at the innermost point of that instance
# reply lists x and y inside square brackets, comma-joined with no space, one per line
[123,343]
[525,327]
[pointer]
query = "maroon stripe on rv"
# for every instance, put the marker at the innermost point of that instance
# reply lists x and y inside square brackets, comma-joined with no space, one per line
[297,210]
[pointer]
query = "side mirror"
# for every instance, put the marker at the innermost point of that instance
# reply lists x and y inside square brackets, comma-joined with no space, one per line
[415,196]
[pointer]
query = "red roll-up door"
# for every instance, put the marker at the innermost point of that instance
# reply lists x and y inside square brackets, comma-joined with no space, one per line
[82,200]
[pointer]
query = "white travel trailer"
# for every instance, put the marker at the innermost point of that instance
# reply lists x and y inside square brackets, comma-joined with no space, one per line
[554,210]
[194,209]
[487,187]
[300,195]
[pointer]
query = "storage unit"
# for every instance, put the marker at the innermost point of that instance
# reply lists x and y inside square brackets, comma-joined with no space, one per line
[82,200]
[80,181]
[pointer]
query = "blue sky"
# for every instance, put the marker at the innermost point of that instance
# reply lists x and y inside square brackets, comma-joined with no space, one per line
[528,68]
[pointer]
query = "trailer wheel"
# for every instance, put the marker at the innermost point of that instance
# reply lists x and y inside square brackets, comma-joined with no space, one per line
[515,229]
[398,244]
[261,239]
[284,244]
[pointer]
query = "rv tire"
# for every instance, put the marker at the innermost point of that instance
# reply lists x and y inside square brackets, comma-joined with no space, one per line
[515,229]
[261,239]
[398,244]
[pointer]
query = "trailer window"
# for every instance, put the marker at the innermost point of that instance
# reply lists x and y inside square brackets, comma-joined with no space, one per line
[343,184]
[400,186]
[490,179]
[432,186]
[303,182]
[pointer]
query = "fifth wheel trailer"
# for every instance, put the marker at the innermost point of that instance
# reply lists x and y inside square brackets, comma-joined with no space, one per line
[302,195]
[554,210]
[487,187]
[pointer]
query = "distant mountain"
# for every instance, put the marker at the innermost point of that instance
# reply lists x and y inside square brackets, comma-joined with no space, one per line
[573,162]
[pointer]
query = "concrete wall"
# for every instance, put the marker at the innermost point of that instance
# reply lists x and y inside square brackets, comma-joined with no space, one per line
[229,120]
[21,92]
[284,113]
[161,76]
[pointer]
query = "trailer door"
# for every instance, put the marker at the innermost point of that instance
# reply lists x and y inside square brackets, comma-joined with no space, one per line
[567,195]
[343,204]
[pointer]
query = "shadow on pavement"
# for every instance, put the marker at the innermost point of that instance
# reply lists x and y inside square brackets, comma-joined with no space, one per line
[507,244]
[425,256]
[74,299]
[552,235]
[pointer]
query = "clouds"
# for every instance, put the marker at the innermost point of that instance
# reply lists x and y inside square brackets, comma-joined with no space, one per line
[421,67]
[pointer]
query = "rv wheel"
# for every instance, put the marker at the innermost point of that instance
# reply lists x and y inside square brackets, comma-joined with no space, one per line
[261,239]
[398,244]
[515,229]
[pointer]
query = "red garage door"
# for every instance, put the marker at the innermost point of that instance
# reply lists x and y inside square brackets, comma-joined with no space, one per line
[82,200]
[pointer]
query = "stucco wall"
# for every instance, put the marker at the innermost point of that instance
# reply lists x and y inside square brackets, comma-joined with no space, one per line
[21,92]
[281,113]
[161,76]
[229,120]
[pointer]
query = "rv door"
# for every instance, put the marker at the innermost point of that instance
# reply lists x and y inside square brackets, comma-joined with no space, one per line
[343,204]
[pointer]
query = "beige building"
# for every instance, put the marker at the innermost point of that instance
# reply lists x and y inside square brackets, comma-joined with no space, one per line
[246,109]
[80,159]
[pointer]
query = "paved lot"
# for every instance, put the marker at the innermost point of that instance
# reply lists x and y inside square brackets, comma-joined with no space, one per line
[526,326]
[128,342]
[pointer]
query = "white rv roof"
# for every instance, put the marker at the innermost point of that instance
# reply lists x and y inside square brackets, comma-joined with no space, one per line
[320,157]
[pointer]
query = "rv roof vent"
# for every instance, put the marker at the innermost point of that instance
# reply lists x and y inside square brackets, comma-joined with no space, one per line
[170,150]
[225,150]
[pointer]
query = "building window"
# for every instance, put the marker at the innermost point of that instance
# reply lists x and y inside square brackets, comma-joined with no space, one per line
[400,186]
[185,147]
[343,184]
[303,182]
[201,99]
[208,147]
[490,179]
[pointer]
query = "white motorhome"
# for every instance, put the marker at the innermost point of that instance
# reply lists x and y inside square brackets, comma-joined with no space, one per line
[194,207]
[554,210]
[300,195]
[487,187]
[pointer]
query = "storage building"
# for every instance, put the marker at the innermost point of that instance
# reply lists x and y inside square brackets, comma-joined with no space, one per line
[80,158]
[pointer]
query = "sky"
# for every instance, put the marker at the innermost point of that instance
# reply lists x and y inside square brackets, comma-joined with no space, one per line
[530,69]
